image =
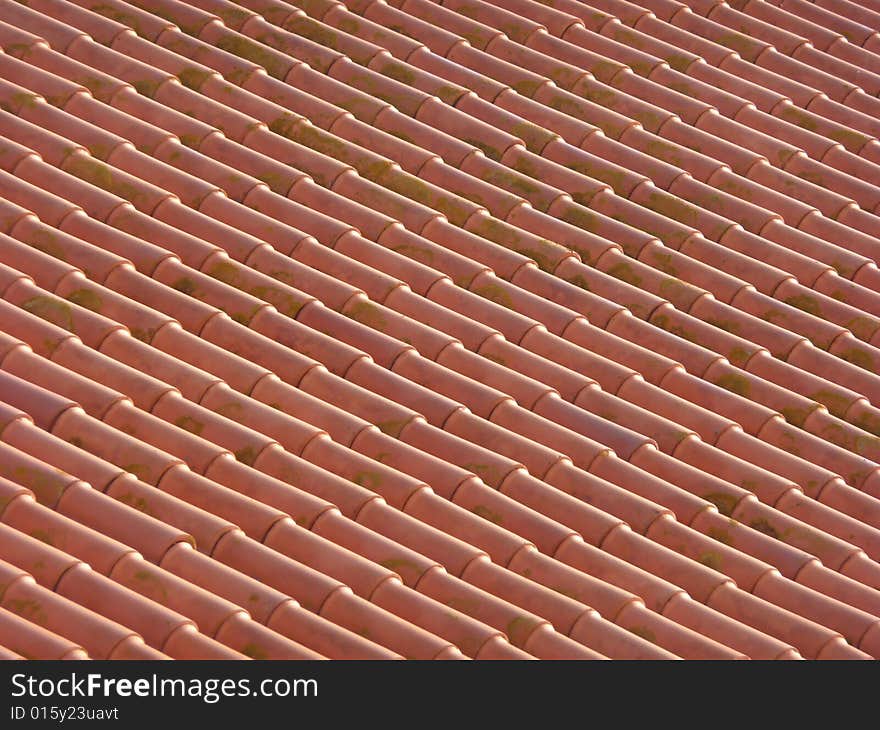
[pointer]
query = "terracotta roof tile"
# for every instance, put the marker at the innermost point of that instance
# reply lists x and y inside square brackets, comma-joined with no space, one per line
[290,269]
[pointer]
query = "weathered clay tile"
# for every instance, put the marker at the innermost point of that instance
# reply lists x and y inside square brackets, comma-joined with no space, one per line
[408,147]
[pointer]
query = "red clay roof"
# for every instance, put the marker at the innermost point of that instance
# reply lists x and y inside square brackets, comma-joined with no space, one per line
[487,329]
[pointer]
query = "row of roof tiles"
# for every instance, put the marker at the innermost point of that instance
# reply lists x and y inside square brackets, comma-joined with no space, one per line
[444,284]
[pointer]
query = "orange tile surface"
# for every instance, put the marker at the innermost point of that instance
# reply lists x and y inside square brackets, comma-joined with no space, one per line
[470,329]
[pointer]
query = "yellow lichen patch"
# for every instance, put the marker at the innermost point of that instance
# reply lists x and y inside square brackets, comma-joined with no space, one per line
[20,101]
[285,302]
[491,152]
[581,217]
[188,423]
[744,45]
[371,480]
[763,525]
[805,302]
[52,310]
[246,455]
[724,502]
[457,210]
[528,87]
[604,70]
[102,176]
[496,293]
[29,609]
[403,567]
[735,383]
[624,272]
[665,323]
[193,77]
[863,328]
[517,184]
[47,242]
[287,125]
[534,136]
[416,252]
[836,403]
[618,179]
[392,427]
[725,324]
[519,629]
[796,416]
[711,559]
[860,357]
[86,298]
[185,285]
[254,651]
[722,536]
[46,484]
[313,30]
[368,313]
[672,207]
[151,585]
[139,503]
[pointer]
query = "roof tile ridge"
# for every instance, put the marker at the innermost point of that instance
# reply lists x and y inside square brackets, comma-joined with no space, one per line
[162,480]
[765,11]
[714,60]
[774,109]
[802,52]
[801,132]
[795,45]
[167,475]
[853,13]
[735,80]
[823,38]
[158,622]
[68,619]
